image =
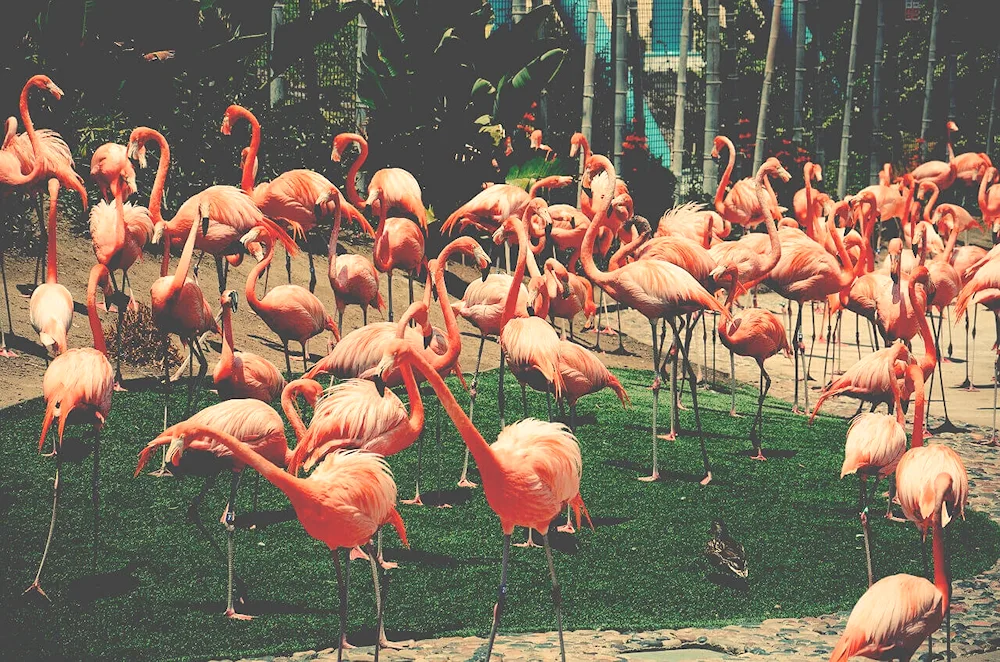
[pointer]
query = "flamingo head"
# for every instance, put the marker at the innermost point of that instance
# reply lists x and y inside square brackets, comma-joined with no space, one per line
[158,232]
[772,166]
[251,241]
[333,195]
[575,141]
[817,172]
[951,126]
[137,146]
[395,351]
[717,145]
[229,299]
[45,83]
[340,144]
[895,254]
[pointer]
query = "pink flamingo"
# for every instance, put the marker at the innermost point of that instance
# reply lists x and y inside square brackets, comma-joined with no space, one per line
[970,165]
[657,290]
[687,221]
[578,143]
[545,183]
[966,259]
[396,189]
[873,379]
[51,305]
[243,374]
[342,503]
[354,280]
[756,333]
[399,244]
[110,165]
[900,308]
[863,293]
[535,140]
[251,421]
[742,204]
[293,197]
[488,208]
[232,212]
[574,294]
[77,387]
[989,199]
[808,203]
[898,612]
[942,173]
[12,176]
[291,311]
[531,471]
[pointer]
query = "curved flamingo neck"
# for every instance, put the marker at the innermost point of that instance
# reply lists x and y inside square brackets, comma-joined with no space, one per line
[510,305]
[952,238]
[846,266]
[165,260]
[984,185]
[950,149]
[16,179]
[184,264]
[448,359]
[417,417]
[332,246]
[288,397]
[156,195]
[720,193]
[249,164]
[227,360]
[351,190]
[294,488]
[919,303]
[941,579]
[919,405]
[250,291]
[98,274]
[935,191]
[627,249]
[490,469]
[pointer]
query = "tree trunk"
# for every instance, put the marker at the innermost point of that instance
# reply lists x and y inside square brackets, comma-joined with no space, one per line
[925,122]
[765,90]
[993,105]
[845,131]
[587,118]
[680,97]
[518,9]
[712,84]
[360,109]
[618,18]
[874,159]
[952,79]
[798,97]
[310,75]
[637,47]
[277,86]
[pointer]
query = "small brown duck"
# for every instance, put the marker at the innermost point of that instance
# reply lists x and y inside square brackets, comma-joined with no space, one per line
[725,554]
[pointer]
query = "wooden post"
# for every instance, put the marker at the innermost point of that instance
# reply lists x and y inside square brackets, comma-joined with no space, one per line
[798,96]
[845,131]
[713,83]
[680,98]
[765,90]
[874,160]
[277,86]
[925,122]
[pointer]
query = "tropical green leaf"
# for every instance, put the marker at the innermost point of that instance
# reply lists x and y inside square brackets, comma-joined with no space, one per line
[515,94]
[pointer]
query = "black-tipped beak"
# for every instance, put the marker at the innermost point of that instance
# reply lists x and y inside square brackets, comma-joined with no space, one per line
[548,230]
[589,191]
[427,341]
[434,293]
[204,225]
[318,212]
[531,311]
[565,291]
[485,272]
[379,385]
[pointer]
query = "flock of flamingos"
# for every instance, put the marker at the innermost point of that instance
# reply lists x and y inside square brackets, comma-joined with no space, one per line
[534,469]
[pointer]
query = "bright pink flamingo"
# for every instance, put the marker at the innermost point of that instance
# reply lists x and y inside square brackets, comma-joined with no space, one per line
[342,503]
[399,244]
[396,189]
[243,374]
[657,290]
[12,177]
[970,165]
[293,197]
[291,311]
[873,379]
[756,333]
[488,208]
[900,308]
[550,182]
[693,221]
[77,387]
[51,305]
[742,204]
[251,421]
[574,294]
[864,292]
[942,173]
[535,140]
[966,259]
[989,199]
[898,612]
[232,213]
[579,143]
[531,471]
[110,164]
[352,277]
[808,203]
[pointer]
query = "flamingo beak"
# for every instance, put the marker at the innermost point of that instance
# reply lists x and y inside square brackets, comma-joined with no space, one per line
[175,450]
[427,340]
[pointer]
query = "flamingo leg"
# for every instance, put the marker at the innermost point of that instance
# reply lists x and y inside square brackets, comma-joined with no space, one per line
[386,565]
[464,480]
[548,400]
[312,273]
[972,361]
[501,596]
[305,356]
[364,315]
[342,580]
[568,526]
[556,596]
[288,360]
[996,382]
[715,319]
[967,384]
[798,348]
[756,431]
[951,347]
[389,281]
[36,585]
[572,417]
[656,399]
[857,333]
[597,326]
[947,426]
[732,389]
[530,542]
[500,396]
[43,249]
[228,520]
[409,279]
[863,515]
[288,266]
[416,501]
[6,299]
[694,403]
[383,641]
[524,401]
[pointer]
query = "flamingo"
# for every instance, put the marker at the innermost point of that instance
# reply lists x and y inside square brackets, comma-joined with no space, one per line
[900,308]
[808,203]
[864,291]
[550,182]
[399,244]
[243,374]
[898,612]
[291,311]
[578,143]
[12,175]
[293,197]
[251,421]
[938,172]
[396,189]
[77,386]
[531,471]
[488,208]
[685,220]
[982,288]
[110,164]
[574,294]
[756,333]
[989,199]
[51,304]
[742,204]
[963,258]
[656,289]
[233,212]
[342,503]
[872,379]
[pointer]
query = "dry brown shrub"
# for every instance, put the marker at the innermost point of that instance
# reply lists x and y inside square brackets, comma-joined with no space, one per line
[142,342]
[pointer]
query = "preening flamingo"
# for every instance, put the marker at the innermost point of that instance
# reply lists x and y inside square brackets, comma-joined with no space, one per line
[694,221]
[531,471]
[13,177]
[942,173]
[257,426]
[293,197]
[243,374]
[742,204]
[232,212]
[111,164]
[574,294]
[396,190]
[51,305]
[969,165]
[756,333]
[77,387]
[342,503]
[657,290]
[291,311]
[488,208]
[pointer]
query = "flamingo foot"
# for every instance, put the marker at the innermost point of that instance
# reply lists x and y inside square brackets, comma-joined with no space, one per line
[667,437]
[415,501]
[707,479]
[133,305]
[797,410]
[387,565]
[384,643]
[893,518]
[49,454]
[970,389]
[37,588]
[681,407]
[527,543]
[465,482]
[732,413]
[236,616]
[444,505]
[945,359]
[162,472]
[653,477]
[345,645]
[356,554]
[759,455]
[608,331]
[118,387]
[566,528]
[7,354]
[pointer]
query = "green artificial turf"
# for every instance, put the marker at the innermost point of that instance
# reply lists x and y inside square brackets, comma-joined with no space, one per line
[162,591]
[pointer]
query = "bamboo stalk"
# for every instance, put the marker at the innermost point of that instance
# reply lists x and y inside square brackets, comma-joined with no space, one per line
[873,161]
[925,121]
[993,104]
[765,90]
[587,119]
[680,97]
[798,96]
[619,17]
[713,85]
[845,132]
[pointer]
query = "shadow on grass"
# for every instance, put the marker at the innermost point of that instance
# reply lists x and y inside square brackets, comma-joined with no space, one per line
[103,585]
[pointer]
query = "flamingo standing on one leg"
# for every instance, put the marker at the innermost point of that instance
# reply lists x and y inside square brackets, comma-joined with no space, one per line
[342,503]
[255,424]
[13,177]
[243,374]
[756,333]
[656,289]
[51,305]
[531,471]
[808,203]
[291,311]
[77,387]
